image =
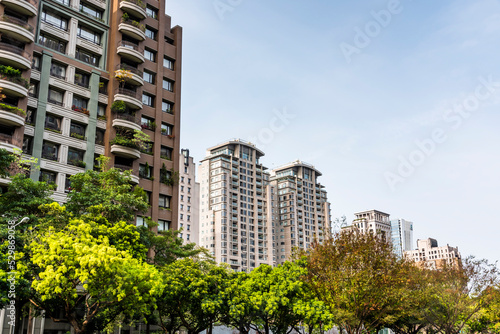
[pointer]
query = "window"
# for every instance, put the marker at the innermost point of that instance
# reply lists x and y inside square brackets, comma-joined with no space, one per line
[33,90]
[75,157]
[53,123]
[149,55]
[101,111]
[35,63]
[52,43]
[148,123]
[150,33]
[148,99]
[49,177]
[182,216]
[77,130]
[148,148]
[99,136]
[167,107]
[27,145]
[67,184]
[163,225]
[50,151]
[152,12]
[140,221]
[54,20]
[148,77]
[58,71]
[89,35]
[164,201]
[166,129]
[166,153]
[168,85]
[145,171]
[84,8]
[82,79]
[87,57]
[168,63]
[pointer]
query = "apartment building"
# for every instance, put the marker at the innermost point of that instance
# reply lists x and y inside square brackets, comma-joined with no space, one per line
[81,78]
[299,210]
[401,235]
[250,216]
[233,224]
[189,198]
[373,221]
[430,255]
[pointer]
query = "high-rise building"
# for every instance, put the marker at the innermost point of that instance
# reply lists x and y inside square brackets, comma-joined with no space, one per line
[233,224]
[298,207]
[373,221]
[429,255]
[249,216]
[402,236]
[189,198]
[90,75]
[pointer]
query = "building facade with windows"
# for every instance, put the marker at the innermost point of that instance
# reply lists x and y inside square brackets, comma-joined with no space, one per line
[189,198]
[401,235]
[372,221]
[81,78]
[250,216]
[430,255]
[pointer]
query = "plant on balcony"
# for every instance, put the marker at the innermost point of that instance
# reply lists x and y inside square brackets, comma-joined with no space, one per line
[101,117]
[80,109]
[77,136]
[149,125]
[125,17]
[12,109]
[165,157]
[13,75]
[124,141]
[134,139]
[78,163]
[53,130]
[122,75]
[170,178]
[119,107]
[171,136]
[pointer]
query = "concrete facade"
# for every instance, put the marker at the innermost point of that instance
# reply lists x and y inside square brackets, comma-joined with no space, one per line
[189,199]
[428,254]
[373,221]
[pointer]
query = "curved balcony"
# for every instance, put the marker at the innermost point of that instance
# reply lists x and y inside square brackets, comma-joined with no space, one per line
[11,116]
[134,7]
[134,179]
[7,142]
[135,74]
[14,56]
[130,51]
[14,86]
[126,152]
[127,121]
[25,7]
[130,97]
[16,28]
[132,29]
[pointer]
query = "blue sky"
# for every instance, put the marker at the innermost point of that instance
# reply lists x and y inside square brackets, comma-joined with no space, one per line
[415,93]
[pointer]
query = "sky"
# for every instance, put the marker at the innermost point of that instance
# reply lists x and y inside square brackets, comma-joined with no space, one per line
[395,102]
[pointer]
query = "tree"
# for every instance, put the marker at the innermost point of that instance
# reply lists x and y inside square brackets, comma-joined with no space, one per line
[92,282]
[357,276]
[238,309]
[6,160]
[459,293]
[110,190]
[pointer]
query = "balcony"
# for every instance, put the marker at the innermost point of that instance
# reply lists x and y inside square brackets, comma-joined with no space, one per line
[11,116]
[130,97]
[133,177]
[16,28]
[9,143]
[14,56]
[127,121]
[130,51]
[134,7]
[25,7]
[14,85]
[132,29]
[134,75]
[125,147]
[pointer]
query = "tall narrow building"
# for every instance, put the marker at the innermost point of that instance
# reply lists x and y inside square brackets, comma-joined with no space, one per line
[189,198]
[90,75]
[402,236]
[300,212]
[233,224]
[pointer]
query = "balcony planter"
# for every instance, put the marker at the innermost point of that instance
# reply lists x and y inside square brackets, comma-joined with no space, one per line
[78,136]
[80,109]
[77,163]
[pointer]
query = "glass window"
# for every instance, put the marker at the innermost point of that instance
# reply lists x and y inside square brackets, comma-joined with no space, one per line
[164,201]
[166,153]
[148,77]
[50,151]
[168,63]
[87,57]
[52,43]
[163,225]
[80,104]
[140,221]
[84,8]
[75,157]
[47,176]
[168,85]
[99,136]
[77,130]
[82,79]
[89,35]
[55,20]
[148,99]
[150,55]
[58,71]
[145,171]
[150,33]
[35,63]
[167,106]
[56,97]
[166,129]
[152,12]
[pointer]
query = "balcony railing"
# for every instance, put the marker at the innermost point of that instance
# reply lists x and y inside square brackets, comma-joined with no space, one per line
[131,45]
[128,117]
[5,138]
[129,68]
[57,75]
[19,22]
[12,109]
[136,24]
[128,92]
[17,80]
[138,3]
[15,49]
[49,156]
[59,103]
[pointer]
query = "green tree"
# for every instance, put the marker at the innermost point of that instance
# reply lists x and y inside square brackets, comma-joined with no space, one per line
[110,190]
[459,294]
[79,273]
[358,276]
[238,310]
[6,160]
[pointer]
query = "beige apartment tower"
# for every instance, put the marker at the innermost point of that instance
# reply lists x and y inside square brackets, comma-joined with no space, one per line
[373,221]
[189,198]
[430,255]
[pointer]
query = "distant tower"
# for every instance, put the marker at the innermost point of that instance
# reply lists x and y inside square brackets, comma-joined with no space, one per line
[373,221]
[402,235]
